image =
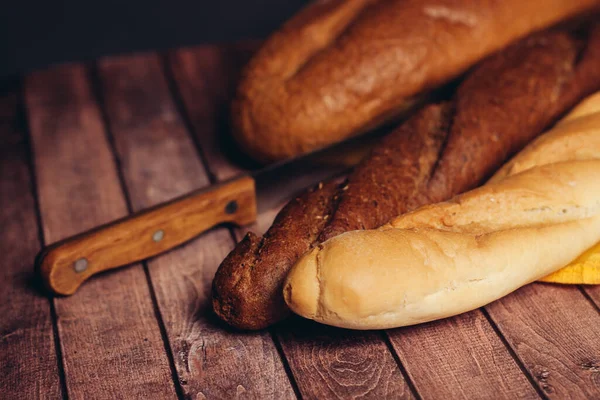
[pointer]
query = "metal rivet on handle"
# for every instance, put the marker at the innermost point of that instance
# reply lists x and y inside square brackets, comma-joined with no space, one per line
[80,265]
[231,207]
[158,235]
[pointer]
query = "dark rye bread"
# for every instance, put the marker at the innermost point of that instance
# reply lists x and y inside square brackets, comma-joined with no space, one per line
[443,150]
[244,293]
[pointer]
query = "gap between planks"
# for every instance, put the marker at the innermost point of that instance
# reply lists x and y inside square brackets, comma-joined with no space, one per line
[29,346]
[97,92]
[157,165]
[179,106]
[42,240]
[108,335]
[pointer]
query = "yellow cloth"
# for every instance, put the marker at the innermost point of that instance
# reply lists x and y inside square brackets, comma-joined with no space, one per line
[584,270]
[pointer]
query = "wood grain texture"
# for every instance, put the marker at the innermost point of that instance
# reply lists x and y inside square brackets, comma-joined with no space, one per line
[28,366]
[555,332]
[461,357]
[159,162]
[335,363]
[325,363]
[146,234]
[205,78]
[109,334]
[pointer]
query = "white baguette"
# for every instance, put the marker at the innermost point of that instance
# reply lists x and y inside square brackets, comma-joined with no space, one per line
[452,257]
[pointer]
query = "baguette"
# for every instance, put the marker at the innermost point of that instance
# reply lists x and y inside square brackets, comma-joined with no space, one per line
[339,68]
[448,258]
[443,150]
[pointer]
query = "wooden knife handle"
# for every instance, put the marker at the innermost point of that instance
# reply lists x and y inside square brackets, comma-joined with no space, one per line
[65,265]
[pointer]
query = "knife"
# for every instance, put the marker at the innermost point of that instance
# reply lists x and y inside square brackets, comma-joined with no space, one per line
[65,265]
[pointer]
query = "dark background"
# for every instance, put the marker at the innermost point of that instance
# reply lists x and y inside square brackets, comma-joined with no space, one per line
[37,33]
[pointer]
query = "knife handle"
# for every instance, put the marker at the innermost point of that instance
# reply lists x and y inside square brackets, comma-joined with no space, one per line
[65,265]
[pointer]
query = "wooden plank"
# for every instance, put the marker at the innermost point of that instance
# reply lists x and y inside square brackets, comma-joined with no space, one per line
[555,331]
[159,161]
[460,357]
[325,362]
[206,78]
[110,338]
[29,366]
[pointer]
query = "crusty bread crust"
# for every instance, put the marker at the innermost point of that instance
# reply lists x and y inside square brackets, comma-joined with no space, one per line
[538,214]
[342,66]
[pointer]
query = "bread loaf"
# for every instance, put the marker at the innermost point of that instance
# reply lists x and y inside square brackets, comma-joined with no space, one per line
[448,258]
[443,150]
[340,67]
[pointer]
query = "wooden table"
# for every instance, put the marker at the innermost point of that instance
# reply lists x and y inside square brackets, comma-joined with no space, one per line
[81,145]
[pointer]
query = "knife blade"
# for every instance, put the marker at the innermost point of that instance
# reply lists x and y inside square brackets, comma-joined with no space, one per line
[65,265]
